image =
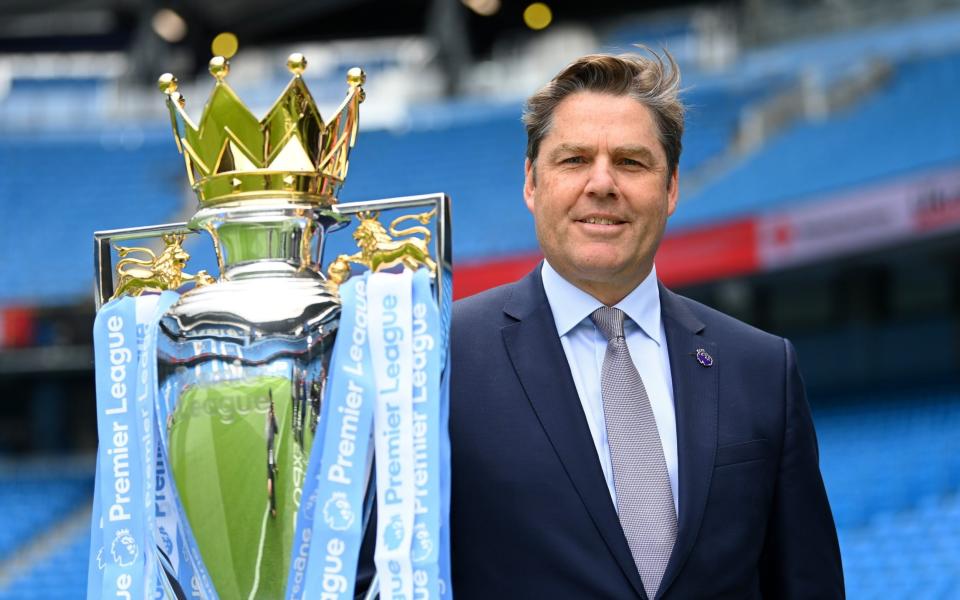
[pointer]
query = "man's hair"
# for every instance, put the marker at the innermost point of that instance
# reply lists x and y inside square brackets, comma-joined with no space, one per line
[650,80]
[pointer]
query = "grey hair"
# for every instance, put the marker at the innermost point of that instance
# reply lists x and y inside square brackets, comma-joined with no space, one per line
[650,80]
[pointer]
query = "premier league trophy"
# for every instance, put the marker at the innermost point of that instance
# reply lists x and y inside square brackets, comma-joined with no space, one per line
[247,423]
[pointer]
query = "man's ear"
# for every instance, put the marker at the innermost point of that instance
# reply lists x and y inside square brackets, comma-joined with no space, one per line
[529,183]
[673,190]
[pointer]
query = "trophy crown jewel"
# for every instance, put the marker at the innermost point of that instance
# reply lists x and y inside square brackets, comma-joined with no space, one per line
[291,153]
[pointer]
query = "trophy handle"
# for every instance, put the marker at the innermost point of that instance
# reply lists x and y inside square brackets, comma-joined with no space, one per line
[442,248]
[103,258]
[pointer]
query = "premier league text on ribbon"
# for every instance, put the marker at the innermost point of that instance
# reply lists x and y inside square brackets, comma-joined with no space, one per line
[422,342]
[425,552]
[350,414]
[342,471]
[391,347]
[121,528]
[329,523]
[120,357]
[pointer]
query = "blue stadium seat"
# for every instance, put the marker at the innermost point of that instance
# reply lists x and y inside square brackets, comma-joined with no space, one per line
[61,576]
[902,128]
[55,191]
[32,505]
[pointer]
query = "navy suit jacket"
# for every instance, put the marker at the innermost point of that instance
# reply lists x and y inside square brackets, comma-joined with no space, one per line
[531,514]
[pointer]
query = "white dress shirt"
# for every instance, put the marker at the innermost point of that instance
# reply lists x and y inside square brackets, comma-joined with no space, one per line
[585,347]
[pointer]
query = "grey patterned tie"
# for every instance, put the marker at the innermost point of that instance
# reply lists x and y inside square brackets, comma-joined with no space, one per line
[644,496]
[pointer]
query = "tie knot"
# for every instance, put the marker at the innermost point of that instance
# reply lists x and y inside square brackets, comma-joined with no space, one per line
[609,321]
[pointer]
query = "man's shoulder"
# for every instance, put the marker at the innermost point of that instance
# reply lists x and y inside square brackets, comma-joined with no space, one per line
[486,310]
[484,306]
[723,327]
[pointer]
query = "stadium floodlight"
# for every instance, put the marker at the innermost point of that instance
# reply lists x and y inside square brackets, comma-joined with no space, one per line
[169,25]
[485,8]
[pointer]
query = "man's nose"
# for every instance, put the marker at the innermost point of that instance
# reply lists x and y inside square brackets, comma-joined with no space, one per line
[601,183]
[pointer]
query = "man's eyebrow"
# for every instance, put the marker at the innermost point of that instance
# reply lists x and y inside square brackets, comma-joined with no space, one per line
[569,149]
[638,151]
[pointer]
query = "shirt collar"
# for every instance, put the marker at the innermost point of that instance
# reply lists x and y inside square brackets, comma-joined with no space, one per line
[571,305]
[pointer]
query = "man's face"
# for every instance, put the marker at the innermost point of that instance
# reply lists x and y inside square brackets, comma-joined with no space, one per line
[601,196]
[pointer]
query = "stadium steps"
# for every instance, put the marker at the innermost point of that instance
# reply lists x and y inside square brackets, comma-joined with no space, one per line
[897,554]
[901,129]
[794,102]
[93,182]
[906,554]
[33,504]
[48,566]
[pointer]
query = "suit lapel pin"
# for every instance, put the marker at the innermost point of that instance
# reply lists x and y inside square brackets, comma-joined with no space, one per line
[703,358]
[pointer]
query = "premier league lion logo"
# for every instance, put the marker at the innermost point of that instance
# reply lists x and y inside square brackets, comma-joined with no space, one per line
[393,533]
[337,512]
[165,539]
[422,544]
[124,548]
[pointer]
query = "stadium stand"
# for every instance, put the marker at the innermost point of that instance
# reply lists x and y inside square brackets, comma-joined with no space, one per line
[887,134]
[474,153]
[33,504]
[713,114]
[58,189]
[62,575]
[877,453]
[890,459]
[891,464]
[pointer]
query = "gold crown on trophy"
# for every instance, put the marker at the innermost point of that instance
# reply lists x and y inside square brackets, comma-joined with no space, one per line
[291,153]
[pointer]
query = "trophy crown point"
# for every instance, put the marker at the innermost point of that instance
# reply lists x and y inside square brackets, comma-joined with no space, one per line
[356,77]
[167,83]
[219,67]
[297,63]
[292,153]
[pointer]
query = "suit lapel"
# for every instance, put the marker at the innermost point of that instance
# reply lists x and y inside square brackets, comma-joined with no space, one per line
[695,392]
[537,355]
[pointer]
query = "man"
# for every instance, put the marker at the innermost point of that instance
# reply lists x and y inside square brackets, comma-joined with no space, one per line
[611,439]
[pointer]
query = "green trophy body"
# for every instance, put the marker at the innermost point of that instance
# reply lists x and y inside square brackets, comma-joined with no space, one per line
[243,365]
[219,442]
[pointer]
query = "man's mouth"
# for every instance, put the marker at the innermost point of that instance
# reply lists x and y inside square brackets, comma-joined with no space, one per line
[601,221]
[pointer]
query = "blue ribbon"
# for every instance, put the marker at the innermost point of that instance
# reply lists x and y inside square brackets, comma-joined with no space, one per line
[177,554]
[131,466]
[126,540]
[427,343]
[330,520]
[446,582]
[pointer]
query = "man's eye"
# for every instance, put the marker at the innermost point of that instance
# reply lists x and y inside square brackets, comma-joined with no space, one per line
[572,160]
[629,162]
